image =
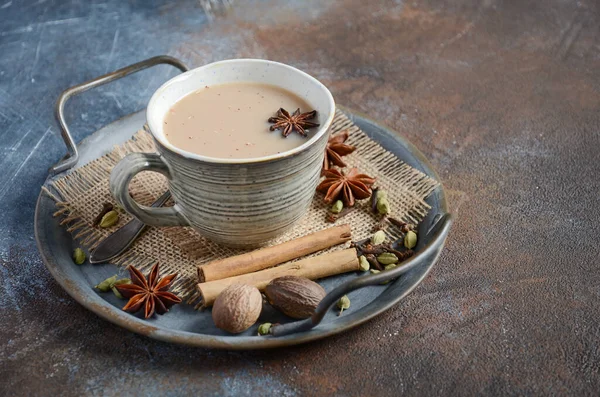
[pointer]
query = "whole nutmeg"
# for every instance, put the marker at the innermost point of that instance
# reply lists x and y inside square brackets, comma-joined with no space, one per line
[237,308]
[296,297]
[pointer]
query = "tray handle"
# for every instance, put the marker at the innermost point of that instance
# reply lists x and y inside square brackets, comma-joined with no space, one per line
[73,155]
[439,229]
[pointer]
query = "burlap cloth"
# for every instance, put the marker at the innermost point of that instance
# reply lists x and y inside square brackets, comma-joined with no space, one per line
[82,192]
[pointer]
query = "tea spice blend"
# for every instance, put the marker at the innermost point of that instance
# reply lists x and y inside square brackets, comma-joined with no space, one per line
[288,287]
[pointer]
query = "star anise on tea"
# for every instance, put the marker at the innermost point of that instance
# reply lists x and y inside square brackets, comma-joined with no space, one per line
[151,293]
[336,148]
[295,122]
[346,187]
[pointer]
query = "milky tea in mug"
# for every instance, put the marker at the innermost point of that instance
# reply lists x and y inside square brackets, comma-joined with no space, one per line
[230,120]
[232,179]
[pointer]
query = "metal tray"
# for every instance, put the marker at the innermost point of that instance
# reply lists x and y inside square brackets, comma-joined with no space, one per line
[195,328]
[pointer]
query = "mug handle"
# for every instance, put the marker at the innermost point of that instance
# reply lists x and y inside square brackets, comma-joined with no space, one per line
[122,175]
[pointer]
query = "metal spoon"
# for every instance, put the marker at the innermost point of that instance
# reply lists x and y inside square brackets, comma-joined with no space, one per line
[121,240]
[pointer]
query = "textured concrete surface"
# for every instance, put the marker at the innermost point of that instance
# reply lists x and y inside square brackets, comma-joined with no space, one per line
[502,96]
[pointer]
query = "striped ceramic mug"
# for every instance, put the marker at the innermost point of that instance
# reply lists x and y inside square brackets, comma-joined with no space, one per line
[235,202]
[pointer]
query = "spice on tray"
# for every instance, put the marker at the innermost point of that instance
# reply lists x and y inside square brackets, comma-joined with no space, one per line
[378,237]
[347,187]
[104,286]
[383,206]
[78,256]
[270,256]
[295,122]
[402,255]
[122,281]
[111,283]
[116,292]
[403,226]
[106,207]
[296,297]
[363,264]
[410,239]
[387,258]
[389,267]
[264,329]
[336,148]
[237,308]
[150,293]
[373,249]
[374,199]
[372,259]
[114,289]
[380,255]
[109,219]
[343,303]
[313,268]
[337,207]
[331,218]
[383,256]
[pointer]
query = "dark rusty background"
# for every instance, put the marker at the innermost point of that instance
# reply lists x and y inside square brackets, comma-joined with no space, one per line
[502,96]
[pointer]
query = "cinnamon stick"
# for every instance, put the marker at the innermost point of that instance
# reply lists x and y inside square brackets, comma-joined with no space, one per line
[314,268]
[271,256]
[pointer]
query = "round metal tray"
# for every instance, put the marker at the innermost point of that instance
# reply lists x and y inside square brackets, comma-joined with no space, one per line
[185,325]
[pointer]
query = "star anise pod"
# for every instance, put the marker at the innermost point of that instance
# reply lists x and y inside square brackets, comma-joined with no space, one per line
[296,121]
[151,293]
[336,148]
[346,187]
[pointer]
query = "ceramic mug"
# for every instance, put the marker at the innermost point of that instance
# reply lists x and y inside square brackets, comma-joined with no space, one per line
[235,202]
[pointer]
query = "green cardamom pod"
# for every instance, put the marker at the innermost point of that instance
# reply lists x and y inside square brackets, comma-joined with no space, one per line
[116,292]
[363,264]
[387,258]
[410,240]
[121,281]
[106,207]
[388,267]
[375,271]
[381,194]
[383,206]
[105,285]
[114,288]
[378,237]
[264,329]
[78,256]
[343,303]
[337,207]
[109,219]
